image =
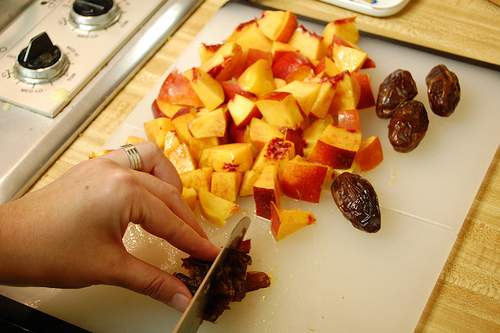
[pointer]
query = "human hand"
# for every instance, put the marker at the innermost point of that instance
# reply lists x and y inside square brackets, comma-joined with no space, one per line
[69,233]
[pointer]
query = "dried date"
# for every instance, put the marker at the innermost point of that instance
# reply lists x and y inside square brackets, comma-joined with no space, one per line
[443,90]
[408,126]
[357,200]
[230,284]
[396,89]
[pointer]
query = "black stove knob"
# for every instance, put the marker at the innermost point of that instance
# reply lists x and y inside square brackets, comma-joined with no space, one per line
[92,15]
[41,61]
[92,7]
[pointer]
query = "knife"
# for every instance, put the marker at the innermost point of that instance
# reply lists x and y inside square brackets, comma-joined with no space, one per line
[192,317]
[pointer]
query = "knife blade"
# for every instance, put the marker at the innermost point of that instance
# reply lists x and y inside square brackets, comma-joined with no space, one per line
[192,317]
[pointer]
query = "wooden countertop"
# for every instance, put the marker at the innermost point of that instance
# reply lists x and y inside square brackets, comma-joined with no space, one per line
[466,297]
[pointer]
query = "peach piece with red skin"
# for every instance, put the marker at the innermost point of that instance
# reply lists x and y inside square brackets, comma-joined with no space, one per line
[237,134]
[248,35]
[197,179]
[285,222]
[207,51]
[304,92]
[369,154]
[181,158]
[278,25]
[228,158]
[366,97]
[347,29]
[257,78]
[161,108]
[327,67]
[280,109]
[177,89]
[266,190]
[295,136]
[277,151]
[287,62]
[225,63]
[303,180]
[249,179]
[212,124]
[312,133]
[215,209]
[232,88]
[171,142]
[261,133]
[242,110]
[368,63]
[156,130]
[347,93]
[342,28]
[348,58]
[255,54]
[336,147]
[208,89]
[226,185]
[326,94]
[309,43]
[349,119]
[279,48]
[180,122]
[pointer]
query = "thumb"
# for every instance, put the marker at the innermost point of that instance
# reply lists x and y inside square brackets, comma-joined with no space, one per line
[147,279]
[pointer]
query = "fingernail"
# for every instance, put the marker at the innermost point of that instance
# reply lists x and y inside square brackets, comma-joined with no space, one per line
[179,302]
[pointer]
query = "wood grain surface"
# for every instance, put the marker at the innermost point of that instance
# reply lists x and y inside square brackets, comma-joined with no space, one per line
[466,297]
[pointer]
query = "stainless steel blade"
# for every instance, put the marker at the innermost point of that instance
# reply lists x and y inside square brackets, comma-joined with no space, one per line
[192,317]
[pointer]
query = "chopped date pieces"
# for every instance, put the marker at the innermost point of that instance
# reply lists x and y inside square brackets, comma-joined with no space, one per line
[257,280]
[396,89]
[230,284]
[443,90]
[357,200]
[197,269]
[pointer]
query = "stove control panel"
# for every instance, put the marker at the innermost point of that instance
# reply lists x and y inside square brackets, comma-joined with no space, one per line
[48,55]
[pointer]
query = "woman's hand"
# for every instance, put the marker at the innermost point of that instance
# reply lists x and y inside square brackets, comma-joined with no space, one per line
[69,233]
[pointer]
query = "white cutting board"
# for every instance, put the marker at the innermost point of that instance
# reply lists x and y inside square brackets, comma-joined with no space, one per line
[329,277]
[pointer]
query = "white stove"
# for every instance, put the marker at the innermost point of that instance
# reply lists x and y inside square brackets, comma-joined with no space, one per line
[61,61]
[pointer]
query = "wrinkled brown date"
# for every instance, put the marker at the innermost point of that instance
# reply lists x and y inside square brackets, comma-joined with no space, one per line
[396,89]
[357,200]
[443,90]
[230,284]
[408,126]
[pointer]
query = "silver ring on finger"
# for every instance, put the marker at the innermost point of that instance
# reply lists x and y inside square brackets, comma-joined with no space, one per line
[133,157]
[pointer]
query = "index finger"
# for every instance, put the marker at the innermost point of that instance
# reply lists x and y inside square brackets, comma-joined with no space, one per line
[155,217]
